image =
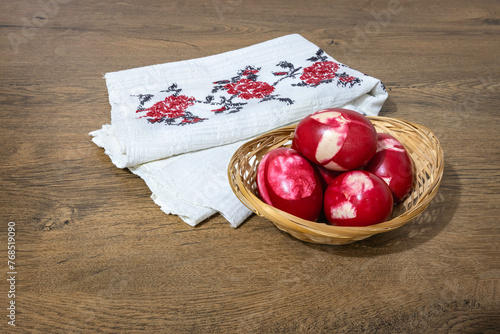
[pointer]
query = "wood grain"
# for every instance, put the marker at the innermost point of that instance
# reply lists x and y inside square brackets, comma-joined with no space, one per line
[95,254]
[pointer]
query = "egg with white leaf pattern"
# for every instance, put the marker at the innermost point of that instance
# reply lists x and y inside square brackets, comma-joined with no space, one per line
[335,138]
[393,164]
[289,182]
[357,198]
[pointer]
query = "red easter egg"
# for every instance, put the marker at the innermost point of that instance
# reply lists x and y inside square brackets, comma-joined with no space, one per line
[289,182]
[357,198]
[393,164]
[327,175]
[335,138]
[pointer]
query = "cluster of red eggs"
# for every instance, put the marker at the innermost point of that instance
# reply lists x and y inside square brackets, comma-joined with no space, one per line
[337,165]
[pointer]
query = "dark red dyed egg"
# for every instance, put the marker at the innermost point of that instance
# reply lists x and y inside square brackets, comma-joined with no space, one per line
[287,181]
[327,176]
[393,164]
[357,198]
[337,139]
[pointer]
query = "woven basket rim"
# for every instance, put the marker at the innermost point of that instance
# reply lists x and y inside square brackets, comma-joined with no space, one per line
[292,224]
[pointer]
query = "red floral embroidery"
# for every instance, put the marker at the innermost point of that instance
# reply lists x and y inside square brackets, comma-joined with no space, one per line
[347,79]
[245,85]
[319,71]
[249,72]
[219,110]
[172,107]
[249,89]
[192,120]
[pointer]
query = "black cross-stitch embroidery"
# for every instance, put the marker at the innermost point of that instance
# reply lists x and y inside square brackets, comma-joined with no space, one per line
[143,98]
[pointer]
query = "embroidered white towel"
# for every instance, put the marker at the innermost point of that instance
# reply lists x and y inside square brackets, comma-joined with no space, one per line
[176,125]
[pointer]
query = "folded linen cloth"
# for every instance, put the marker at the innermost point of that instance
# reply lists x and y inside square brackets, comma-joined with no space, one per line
[176,125]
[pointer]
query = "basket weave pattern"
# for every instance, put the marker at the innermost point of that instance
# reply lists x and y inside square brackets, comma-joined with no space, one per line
[423,147]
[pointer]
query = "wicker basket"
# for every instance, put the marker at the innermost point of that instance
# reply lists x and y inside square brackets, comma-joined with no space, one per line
[421,144]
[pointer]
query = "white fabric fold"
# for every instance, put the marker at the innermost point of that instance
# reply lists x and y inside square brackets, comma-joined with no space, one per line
[176,125]
[194,185]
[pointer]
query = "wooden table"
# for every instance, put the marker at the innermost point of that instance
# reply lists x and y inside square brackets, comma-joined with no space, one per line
[93,253]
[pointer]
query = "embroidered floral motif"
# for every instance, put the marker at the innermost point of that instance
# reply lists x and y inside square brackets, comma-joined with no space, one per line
[290,71]
[248,89]
[232,95]
[325,71]
[320,71]
[172,107]
[245,86]
[172,110]
[348,79]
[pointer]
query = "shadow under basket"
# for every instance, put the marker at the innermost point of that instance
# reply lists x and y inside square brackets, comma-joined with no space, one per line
[428,162]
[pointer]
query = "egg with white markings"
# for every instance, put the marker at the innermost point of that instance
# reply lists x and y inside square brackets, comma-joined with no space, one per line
[337,139]
[357,198]
[289,182]
[393,164]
